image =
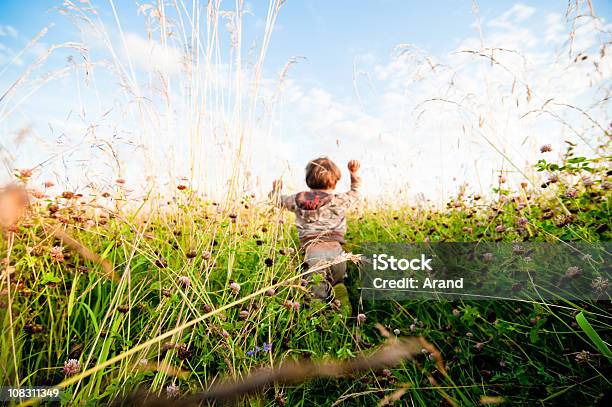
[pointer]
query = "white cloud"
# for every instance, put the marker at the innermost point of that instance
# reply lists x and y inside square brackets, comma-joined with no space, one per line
[8,31]
[515,15]
[151,55]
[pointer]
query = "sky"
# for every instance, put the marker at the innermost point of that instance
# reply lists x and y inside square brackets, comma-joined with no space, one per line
[427,95]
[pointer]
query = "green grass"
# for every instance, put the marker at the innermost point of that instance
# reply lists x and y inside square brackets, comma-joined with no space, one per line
[528,353]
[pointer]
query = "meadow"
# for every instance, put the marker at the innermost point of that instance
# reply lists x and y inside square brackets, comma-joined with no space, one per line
[204,290]
[138,267]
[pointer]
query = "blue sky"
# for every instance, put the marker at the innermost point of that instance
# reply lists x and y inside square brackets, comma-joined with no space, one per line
[377,115]
[330,34]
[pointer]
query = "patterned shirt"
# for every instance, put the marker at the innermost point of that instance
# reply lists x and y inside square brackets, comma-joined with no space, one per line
[321,216]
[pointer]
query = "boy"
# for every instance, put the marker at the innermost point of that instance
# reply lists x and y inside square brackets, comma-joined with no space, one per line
[321,223]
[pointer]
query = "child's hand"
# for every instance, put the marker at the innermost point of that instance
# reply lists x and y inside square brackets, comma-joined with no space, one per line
[277,185]
[353,166]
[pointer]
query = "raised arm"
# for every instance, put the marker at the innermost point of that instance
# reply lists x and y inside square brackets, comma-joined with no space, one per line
[349,198]
[284,201]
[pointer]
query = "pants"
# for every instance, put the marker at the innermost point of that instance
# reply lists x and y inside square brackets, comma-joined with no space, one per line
[318,253]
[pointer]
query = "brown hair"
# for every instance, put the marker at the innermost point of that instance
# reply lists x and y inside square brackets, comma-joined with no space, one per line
[322,173]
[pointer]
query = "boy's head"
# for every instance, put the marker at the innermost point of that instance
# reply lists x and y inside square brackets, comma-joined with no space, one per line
[322,173]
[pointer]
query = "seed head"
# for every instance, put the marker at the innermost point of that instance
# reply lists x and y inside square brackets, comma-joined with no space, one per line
[270,292]
[244,314]
[546,148]
[25,173]
[235,287]
[572,272]
[500,228]
[599,284]
[184,281]
[571,193]
[57,253]
[522,222]
[583,357]
[120,181]
[172,391]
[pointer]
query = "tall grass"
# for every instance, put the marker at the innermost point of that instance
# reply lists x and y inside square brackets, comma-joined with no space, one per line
[208,272]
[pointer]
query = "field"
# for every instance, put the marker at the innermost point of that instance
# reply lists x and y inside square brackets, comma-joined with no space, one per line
[204,290]
[143,262]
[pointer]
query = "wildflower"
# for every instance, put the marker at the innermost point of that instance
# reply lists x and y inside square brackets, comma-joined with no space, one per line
[206,255]
[572,272]
[487,257]
[244,314]
[296,306]
[583,357]
[105,194]
[182,351]
[456,312]
[469,334]
[502,179]
[184,281]
[235,287]
[524,185]
[38,194]
[48,184]
[361,318]
[386,373]
[413,327]
[57,253]
[225,334]
[270,292]
[479,346]
[587,181]
[181,187]
[522,222]
[500,228]
[267,347]
[396,332]
[123,308]
[67,194]
[143,362]
[71,367]
[599,284]
[546,148]
[172,391]
[120,181]
[33,328]
[25,173]
[166,292]
[571,193]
